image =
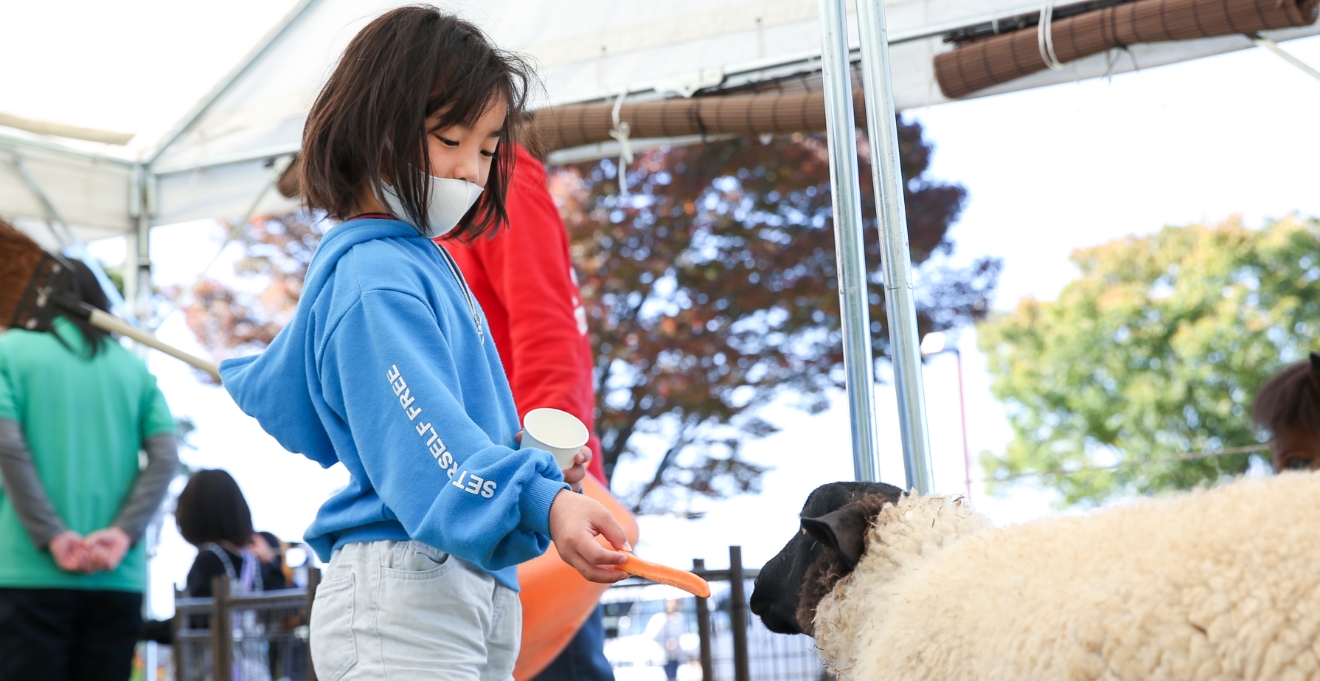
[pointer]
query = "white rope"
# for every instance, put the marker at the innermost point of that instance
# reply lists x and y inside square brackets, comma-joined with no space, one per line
[1278,51]
[1195,456]
[620,133]
[1045,36]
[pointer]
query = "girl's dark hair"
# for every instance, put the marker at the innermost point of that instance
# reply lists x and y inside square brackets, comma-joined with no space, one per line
[211,508]
[1290,399]
[368,124]
[90,292]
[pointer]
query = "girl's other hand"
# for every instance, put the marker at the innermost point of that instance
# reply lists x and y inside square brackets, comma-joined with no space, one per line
[573,475]
[575,521]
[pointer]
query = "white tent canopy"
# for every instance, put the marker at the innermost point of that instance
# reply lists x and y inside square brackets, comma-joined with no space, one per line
[209,146]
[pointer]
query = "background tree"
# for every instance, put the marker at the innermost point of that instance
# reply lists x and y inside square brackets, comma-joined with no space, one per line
[1155,351]
[710,290]
[237,320]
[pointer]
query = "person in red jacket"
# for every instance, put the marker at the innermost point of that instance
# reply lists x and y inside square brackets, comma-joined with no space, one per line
[524,280]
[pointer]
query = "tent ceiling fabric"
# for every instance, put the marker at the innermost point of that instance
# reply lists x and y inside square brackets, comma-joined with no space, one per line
[587,51]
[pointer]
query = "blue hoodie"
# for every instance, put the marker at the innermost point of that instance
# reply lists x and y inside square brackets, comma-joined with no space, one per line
[388,368]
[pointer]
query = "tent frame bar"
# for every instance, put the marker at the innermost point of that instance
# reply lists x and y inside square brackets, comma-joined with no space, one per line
[900,303]
[845,189]
[267,153]
[850,250]
[188,121]
[42,144]
[65,235]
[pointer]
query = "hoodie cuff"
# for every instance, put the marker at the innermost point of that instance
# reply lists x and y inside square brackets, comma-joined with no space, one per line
[537,495]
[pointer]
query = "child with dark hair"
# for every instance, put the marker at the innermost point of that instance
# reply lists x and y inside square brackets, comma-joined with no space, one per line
[213,515]
[388,367]
[1288,406]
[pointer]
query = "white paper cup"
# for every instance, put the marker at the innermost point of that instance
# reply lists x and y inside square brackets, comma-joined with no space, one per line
[555,431]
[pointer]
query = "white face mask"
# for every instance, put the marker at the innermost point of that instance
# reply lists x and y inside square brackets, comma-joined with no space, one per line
[450,201]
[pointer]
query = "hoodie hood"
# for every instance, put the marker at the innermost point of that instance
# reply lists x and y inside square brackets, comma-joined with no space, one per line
[286,371]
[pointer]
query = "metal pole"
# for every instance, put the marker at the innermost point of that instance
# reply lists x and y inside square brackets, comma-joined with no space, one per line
[313,582]
[142,245]
[703,628]
[900,305]
[845,191]
[180,651]
[67,239]
[222,630]
[738,615]
[962,416]
[202,107]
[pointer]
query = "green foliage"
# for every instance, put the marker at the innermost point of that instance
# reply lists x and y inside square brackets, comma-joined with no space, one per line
[1154,352]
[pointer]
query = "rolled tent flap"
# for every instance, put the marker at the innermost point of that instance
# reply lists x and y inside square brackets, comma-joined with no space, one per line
[772,112]
[982,63]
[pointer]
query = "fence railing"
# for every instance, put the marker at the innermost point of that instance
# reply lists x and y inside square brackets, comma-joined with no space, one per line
[268,636]
[731,644]
[266,640]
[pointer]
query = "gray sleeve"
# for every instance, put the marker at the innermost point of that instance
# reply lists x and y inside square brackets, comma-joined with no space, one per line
[24,487]
[151,485]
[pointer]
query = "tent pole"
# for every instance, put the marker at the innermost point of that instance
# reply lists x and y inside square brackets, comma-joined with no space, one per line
[190,119]
[845,190]
[64,235]
[900,305]
[142,243]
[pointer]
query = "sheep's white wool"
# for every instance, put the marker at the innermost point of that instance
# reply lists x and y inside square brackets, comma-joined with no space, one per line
[900,541]
[1218,584]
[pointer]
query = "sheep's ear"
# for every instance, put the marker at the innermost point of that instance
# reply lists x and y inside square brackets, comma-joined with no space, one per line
[844,530]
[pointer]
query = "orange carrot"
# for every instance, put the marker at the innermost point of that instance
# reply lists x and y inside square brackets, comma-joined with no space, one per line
[665,575]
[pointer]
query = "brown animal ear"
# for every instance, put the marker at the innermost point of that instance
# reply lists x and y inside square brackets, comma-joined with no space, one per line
[1315,368]
[844,530]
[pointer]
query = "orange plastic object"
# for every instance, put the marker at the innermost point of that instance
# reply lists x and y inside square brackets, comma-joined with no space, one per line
[666,575]
[556,599]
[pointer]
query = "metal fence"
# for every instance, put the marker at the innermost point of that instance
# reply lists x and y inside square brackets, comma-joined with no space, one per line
[715,639]
[266,639]
[718,638]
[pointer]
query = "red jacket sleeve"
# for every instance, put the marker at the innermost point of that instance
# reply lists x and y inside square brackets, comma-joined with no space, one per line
[531,287]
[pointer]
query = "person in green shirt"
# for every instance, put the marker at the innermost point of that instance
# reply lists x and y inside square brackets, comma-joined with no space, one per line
[76,408]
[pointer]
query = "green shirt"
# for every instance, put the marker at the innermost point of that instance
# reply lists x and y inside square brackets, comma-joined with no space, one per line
[84,421]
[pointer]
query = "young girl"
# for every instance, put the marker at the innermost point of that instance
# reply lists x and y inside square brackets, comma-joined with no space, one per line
[388,368]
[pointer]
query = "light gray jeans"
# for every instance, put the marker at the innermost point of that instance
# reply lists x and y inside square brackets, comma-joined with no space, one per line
[402,610]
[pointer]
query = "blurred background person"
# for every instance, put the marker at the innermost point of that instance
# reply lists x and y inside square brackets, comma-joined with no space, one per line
[214,516]
[75,410]
[524,281]
[667,629]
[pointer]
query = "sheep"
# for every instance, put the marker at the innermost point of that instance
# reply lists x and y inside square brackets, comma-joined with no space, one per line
[1213,584]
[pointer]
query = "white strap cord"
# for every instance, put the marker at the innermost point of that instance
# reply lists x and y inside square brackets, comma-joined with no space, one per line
[1272,46]
[1045,36]
[620,133]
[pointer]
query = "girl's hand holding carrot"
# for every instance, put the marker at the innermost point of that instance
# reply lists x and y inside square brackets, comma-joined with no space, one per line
[575,521]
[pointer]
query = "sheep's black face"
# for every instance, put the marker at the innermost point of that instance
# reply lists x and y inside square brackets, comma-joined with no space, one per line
[780,586]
